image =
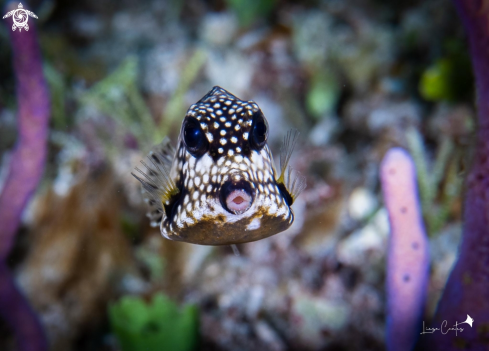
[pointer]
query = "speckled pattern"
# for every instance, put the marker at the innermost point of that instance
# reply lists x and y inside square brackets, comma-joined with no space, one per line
[226,121]
[196,214]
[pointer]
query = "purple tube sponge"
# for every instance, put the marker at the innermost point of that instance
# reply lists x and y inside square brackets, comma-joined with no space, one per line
[467,289]
[408,254]
[28,158]
[17,313]
[25,172]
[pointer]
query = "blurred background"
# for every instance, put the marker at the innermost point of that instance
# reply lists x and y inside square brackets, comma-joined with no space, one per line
[356,77]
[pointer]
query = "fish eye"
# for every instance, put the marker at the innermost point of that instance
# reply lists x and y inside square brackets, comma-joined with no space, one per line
[194,138]
[259,132]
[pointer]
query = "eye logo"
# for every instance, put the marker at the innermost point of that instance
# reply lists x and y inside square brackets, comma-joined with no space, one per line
[20,17]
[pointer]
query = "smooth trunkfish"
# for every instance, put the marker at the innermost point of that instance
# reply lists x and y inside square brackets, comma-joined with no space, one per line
[220,186]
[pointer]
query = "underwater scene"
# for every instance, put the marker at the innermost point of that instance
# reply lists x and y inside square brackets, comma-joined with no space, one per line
[244,175]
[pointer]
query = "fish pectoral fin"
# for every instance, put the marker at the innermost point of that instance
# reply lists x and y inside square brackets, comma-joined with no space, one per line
[165,151]
[158,186]
[294,182]
[292,179]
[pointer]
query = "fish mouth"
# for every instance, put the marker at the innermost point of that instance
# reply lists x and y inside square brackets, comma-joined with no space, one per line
[236,196]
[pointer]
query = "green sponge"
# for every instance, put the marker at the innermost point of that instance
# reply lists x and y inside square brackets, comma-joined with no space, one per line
[159,325]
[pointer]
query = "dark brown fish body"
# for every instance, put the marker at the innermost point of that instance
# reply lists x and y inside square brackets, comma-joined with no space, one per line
[220,186]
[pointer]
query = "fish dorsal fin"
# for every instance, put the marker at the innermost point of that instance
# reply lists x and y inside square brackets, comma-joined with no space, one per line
[158,186]
[293,181]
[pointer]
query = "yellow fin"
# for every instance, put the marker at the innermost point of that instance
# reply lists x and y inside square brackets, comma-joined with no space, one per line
[293,181]
[158,186]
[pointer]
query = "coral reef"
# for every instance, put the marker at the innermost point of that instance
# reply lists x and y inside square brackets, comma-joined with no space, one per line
[356,77]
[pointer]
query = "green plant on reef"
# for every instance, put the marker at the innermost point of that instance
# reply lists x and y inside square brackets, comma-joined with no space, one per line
[156,326]
[435,82]
[176,108]
[118,97]
[449,78]
[322,95]
[439,185]
[58,90]
[248,11]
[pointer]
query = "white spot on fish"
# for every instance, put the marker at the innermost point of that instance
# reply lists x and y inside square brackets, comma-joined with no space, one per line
[255,224]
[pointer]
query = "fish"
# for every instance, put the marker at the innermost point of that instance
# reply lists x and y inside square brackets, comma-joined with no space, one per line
[219,186]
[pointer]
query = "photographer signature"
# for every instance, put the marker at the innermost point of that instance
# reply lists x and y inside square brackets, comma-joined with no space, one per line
[444,330]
